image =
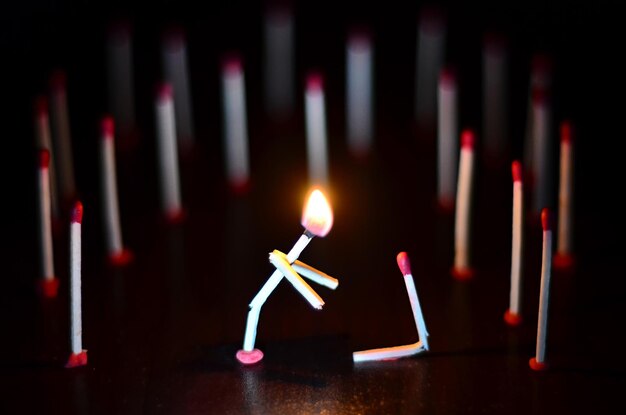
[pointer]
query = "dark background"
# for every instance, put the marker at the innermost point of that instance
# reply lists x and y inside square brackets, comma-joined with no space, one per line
[162,333]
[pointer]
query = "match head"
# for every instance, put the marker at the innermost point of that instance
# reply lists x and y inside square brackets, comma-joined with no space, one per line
[541,66]
[44,158]
[107,127]
[540,96]
[77,360]
[77,213]
[546,219]
[58,81]
[317,215]
[41,106]
[468,139]
[164,92]
[512,319]
[314,82]
[494,43]
[403,263]
[516,169]
[232,64]
[447,78]
[566,132]
[537,366]
[174,39]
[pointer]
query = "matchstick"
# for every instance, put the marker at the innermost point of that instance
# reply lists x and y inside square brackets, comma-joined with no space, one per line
[495,95]
[78,357]
[512,316]
[564,258]
[279,62]
[316,138]
[447,133]
[48,285]
[62,136]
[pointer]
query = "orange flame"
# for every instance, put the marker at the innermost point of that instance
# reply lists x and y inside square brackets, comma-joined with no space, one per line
[317,215]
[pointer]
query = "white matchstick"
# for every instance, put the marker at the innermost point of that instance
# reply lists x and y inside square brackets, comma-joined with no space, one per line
[542,123]
[168,155]
[121,86]
[447,133]
[462,226]
[280,261]
[317,220]
[538,362]
[62,136]
[564,258]
[359,100]
[512,316]
[315,275]
[316,139]
[118,255]
[430,58]
[406,350]
[235,125]
[495,83]
[177,74]
[44,141]
[279,61]
[78,357]
[48,285]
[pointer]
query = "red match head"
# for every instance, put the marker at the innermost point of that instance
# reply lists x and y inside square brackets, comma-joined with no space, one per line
[540,96]
[314,82]
[447,77]
[566,132]
[494,43]
[546,220]
[41,106]
[467,139]
[232,63]
[58,81]
[164,91]
[107,127]
[541,65]
[44,158]
[403,263]
[77,213]
[516,169]
[359,38]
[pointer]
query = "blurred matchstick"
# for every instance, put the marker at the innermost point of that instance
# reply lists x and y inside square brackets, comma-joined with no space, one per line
[447,133]
[48,284]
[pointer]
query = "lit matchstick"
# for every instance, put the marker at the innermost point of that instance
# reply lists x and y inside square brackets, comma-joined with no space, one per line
[564,258]
[78,356]
[462,269]
[410,349]
[48,285]
[118,255]
[512,316]
[538,362]
[317,220]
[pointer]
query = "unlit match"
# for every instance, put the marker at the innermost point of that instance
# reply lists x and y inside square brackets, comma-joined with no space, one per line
[279,62]
[564,258]
[78,357]
[542,121]
[512,316]
[48,284]
[447,133]
[316,136]
[495,92]
[62,136]
[44,141]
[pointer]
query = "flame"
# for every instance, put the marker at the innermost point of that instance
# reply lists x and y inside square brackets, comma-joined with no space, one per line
[317,215]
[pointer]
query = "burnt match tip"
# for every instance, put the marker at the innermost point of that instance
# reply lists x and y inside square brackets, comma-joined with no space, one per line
[44,158]
[467,139]
[516,169]
[77,213]
[546,220]
[403,263]
[107,127]
[566,131]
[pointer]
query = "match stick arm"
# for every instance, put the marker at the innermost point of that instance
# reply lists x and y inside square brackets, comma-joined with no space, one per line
[315,275]
[278,259]
[388,352]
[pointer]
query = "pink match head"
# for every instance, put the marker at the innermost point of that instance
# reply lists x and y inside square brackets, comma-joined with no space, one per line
[516,168]
[107,127]
[58,81]
[468,139]
[540,96]
[566,132]
[447,77]
[314,82]
[232,63]
[546,220]
[77,213]
[44,158]
[164,91]
[359,38]
[41,106]
[403,263]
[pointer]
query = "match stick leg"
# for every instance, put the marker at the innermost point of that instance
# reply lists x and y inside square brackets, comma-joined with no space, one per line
[249,355]
[315,275]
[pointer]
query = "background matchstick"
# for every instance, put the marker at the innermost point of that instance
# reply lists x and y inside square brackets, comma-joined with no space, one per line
[462,225]
[564,259]
[512,316]
[235,125]
[316,136]
[62,137]
[447,133]
[168,155]
[44,141]
[279,62]
[538,362]
[48,285]
[495,95]
[542,149]
[117,254]
[78,357]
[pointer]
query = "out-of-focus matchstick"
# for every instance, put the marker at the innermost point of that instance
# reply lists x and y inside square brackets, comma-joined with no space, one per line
[513,316]
[564,258]
[542,150]
[447,133]
[117,254]
[48,284]
[78,357]
[316,138]
[62,136]
[495,93]
[44,141]
[279,61]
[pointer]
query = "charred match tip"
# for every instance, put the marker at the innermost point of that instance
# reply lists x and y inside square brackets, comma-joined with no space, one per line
[232,63]
[403,263]
[516,169]
[41,106]
[77,213]
[44,158]
[447,77]
[314,82]
[546,220]
[58,81]
[566,132]
[467,139]
[107,127]
[164,91]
